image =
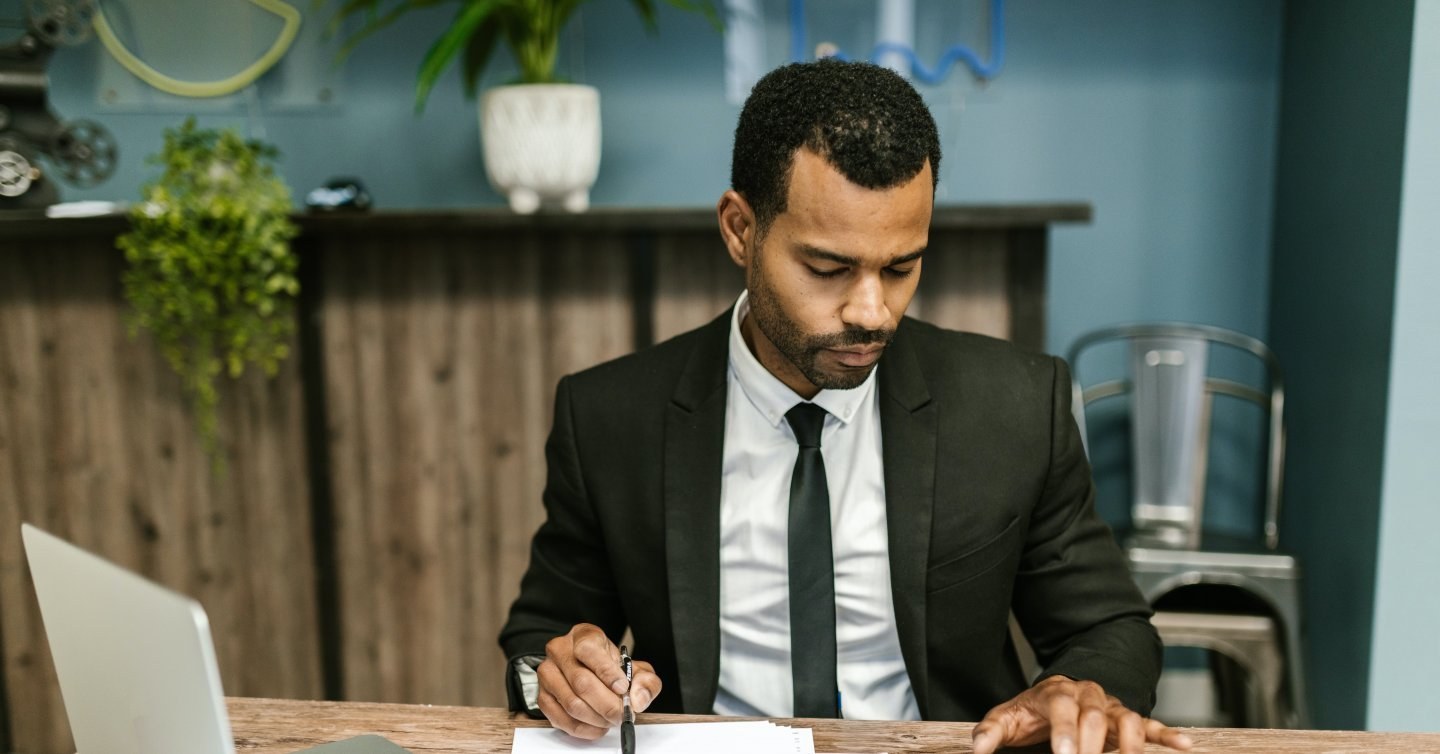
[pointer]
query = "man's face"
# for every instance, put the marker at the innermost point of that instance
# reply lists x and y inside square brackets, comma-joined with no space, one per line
[833,275]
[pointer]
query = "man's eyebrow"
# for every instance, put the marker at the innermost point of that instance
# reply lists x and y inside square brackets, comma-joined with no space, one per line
[912,256]
[830,256]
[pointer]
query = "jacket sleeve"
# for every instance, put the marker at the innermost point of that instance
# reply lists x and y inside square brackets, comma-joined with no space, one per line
[569,579]
[1074,595]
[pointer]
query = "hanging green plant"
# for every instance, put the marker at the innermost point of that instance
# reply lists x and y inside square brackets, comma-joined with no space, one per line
[211,274]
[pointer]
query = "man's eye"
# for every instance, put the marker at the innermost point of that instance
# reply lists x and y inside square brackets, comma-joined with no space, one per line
[826,273]
[899,273]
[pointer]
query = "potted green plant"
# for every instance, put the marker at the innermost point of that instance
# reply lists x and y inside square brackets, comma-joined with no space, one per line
[210,271]
[540,136]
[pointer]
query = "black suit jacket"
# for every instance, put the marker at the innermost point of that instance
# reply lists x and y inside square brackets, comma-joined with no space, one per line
[989,506]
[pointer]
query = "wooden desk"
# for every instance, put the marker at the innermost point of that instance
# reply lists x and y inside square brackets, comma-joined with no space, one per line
[269,726]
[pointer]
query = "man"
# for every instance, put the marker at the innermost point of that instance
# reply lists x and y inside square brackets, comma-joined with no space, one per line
[815,507]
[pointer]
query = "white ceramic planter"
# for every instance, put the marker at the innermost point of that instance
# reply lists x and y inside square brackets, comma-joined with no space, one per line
[542,143]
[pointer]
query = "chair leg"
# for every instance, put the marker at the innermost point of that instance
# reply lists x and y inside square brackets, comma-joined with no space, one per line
[1252,644]
[1231,691]
[1268,666]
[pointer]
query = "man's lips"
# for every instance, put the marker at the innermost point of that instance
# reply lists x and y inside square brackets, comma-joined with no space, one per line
[857,357]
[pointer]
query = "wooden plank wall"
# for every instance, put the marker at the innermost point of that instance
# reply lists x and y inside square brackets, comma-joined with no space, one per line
[438,406]
[410,425]
[95,446]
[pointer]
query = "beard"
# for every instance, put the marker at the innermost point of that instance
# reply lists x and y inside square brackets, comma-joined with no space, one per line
[803,349]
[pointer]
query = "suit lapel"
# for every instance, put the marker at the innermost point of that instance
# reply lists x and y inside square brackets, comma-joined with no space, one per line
[694,448]
[908,432]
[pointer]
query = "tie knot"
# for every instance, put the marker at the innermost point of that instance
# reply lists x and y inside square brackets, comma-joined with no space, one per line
[806,421]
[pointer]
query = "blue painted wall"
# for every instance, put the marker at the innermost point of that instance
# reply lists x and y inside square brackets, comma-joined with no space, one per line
[1163,115]
[1337,209]
[1406,642]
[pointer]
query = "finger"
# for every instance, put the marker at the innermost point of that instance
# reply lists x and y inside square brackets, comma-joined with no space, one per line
[989,734]
[1063,712]
[595,651]
[549,676]
[1130,732]
[982,740]
[645,687]
[1008,724]
[578,692]
[1094,722]
[581,653]
[594,702]
[1159,733]
[555,713]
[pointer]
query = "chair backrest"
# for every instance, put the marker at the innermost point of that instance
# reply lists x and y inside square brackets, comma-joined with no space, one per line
[1172,396]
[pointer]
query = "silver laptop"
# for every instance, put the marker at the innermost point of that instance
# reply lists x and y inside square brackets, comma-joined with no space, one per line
[136,665]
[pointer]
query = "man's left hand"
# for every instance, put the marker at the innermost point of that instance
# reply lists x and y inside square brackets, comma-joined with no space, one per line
[1078,718]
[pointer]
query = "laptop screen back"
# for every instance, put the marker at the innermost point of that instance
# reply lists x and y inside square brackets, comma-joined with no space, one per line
[136,666]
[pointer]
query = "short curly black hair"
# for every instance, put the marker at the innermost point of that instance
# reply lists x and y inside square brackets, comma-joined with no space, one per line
[865,120]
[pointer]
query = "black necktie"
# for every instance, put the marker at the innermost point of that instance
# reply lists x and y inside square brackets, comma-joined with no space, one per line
[812,572]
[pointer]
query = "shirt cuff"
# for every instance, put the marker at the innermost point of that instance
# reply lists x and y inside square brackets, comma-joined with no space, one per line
[525,685]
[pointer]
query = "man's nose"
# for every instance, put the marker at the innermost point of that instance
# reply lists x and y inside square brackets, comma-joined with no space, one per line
[865,307]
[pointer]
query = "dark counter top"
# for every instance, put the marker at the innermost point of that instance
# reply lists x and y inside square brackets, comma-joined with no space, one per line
[22,225]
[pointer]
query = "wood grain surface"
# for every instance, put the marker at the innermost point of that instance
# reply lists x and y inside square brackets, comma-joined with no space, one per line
[963,282]
[440,367]
[97,447]
[264,726]
[695,282]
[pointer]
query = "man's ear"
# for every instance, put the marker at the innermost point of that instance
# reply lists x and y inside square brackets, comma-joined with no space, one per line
[737,226]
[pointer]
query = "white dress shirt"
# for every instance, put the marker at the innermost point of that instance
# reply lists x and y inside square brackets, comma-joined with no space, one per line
[760,451]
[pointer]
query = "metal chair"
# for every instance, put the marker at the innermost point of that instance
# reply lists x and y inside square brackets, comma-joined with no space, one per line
[1249,641]
[1172,391]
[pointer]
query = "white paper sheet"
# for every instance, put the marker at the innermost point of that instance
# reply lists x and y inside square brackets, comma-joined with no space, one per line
[746,737]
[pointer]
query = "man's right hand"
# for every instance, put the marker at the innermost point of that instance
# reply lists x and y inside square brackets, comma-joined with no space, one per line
[581,683]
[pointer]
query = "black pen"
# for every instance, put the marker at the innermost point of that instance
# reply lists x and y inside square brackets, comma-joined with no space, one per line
[627,723]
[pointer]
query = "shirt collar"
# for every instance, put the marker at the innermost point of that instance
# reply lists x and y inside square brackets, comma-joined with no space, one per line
[773,398]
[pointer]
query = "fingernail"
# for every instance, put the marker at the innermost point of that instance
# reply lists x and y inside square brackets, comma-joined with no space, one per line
[1065,746]
[619,686]
[641,698]
[1184,740]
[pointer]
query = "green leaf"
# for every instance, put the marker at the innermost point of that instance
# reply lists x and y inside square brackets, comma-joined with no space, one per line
[467,21]
[530,28]
[203,253]
[348,9]
[646,9]
[477,53]
[379,22]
